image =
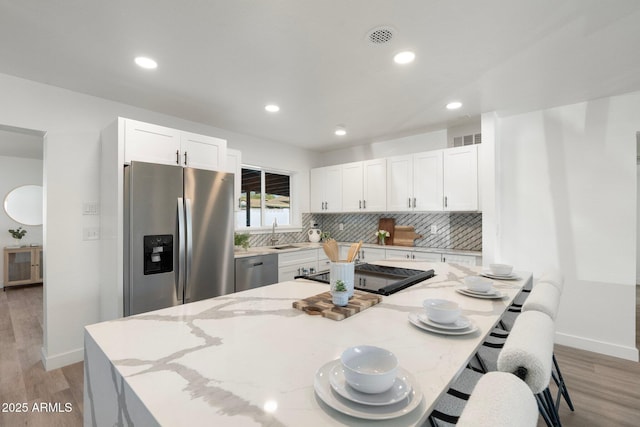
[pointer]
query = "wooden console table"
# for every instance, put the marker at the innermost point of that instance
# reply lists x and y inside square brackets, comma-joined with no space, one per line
[22,265]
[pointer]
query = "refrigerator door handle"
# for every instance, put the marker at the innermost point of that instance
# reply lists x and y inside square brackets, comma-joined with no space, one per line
[181,249]
[189,244]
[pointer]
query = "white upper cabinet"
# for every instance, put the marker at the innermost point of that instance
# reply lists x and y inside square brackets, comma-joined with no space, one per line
[461,178]
[203,152]
[440,180]
[414,182]
[150,143]
[326,189]
[364,186]
[158,144]
[432,181]
[375,185]
[427,181]
[400,183]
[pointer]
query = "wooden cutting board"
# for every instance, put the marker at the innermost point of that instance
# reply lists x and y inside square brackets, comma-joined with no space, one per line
[321,304]
[387,224]
[404,235]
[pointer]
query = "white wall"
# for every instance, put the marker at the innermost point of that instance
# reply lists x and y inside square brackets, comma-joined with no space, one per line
[15,172]
[393,147]
[73,123]
[568,200]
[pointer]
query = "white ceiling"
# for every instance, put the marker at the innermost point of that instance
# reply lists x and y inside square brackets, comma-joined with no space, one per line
[221,61]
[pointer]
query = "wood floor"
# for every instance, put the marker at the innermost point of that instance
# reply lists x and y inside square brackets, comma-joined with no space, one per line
[605,390]
[23,379]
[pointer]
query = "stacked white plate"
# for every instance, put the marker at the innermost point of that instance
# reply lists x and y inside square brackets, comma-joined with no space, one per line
[332,388]
[462,326]
[490,275]
[492,294]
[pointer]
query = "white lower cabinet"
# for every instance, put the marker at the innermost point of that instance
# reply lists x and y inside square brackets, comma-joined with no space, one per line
[292,264]
[412,254]
[460,259]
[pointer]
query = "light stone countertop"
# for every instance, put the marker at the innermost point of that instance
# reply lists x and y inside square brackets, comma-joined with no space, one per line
[249,358]
[263,250]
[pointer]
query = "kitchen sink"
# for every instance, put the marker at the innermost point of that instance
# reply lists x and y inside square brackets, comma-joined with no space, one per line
[285,247]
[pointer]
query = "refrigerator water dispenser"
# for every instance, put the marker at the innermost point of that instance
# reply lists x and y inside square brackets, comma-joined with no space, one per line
[158,254]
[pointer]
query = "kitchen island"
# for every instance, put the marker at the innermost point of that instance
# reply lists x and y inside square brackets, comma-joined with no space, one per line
[251,359]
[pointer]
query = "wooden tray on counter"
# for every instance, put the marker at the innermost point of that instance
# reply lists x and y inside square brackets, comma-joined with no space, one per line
[321,304]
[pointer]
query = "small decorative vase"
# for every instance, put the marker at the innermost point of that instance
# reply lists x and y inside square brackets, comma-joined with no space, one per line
[382,241]
[17,242]
[340,298]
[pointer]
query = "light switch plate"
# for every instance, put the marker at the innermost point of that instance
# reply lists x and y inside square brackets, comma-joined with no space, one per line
[434,229]
[90,233]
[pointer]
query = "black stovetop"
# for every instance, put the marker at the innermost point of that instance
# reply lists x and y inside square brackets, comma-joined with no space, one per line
[379,279]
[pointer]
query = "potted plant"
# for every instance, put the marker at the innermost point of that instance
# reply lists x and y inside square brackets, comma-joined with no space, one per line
[18,234]
[340,294]
[381,235]
[241,240]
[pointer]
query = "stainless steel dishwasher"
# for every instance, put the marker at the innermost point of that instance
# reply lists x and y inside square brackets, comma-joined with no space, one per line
[255,271]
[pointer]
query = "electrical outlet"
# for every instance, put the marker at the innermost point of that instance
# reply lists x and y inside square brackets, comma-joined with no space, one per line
[434,229]
[341,227]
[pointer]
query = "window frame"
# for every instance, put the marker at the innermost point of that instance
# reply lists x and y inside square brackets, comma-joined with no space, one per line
[267,227]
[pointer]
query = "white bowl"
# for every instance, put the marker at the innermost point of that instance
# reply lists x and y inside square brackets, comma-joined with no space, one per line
[441,310]
[369,369]
[478,284]
[501,269]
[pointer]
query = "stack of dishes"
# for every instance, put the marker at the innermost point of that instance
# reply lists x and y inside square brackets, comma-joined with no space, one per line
[500,272]
[366,382]
[442,317]
[479,287]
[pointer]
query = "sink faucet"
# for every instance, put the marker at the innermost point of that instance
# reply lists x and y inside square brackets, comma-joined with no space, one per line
[273,232]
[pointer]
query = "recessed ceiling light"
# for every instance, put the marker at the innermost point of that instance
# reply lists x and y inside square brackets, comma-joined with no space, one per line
[454,105]
[340,131]
[404,57]
[145,62]
[272,108]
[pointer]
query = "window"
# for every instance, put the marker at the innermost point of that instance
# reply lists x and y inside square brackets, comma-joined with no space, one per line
[264,197]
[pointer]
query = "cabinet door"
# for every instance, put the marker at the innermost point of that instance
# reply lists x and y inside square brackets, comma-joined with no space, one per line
[461,179]
[19,267]
[400,183]
[316,184]
[399,254]
[151,143]
[333,189]
[203,152]
[372,254]
[427,256]
[352,185]
[427,181]
[234,166]
[459,259]
[375,185]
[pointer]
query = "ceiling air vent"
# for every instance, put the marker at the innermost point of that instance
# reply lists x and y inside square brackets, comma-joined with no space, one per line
[460,141]
[380,35]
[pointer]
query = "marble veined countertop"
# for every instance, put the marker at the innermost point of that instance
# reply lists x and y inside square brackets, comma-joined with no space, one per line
[249,358]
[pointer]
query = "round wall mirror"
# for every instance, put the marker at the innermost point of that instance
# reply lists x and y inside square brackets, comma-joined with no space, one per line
[24,204]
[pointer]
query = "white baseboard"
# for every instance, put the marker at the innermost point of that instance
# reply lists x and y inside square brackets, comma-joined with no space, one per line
[629,353]
[62,359]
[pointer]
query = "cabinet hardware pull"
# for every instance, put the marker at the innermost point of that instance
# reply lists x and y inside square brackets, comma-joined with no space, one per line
[414,202]
[185,158]
[359,204]
[409,202]
[177,157]
[364,204]
[445,201]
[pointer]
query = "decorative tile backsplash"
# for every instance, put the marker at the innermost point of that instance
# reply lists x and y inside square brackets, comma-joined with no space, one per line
[462,231]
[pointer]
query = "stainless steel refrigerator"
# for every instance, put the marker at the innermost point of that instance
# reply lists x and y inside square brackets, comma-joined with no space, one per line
[178,236]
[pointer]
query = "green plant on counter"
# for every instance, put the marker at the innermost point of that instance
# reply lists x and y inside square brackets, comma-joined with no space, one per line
[340,287]
[241,239]
[18,234]
[325,235]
